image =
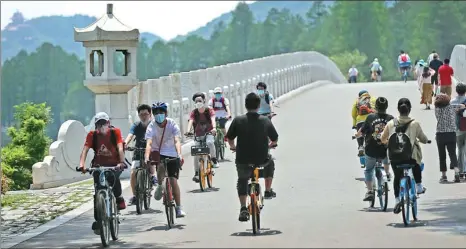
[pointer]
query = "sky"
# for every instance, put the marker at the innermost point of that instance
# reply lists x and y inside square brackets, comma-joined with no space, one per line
[164,18]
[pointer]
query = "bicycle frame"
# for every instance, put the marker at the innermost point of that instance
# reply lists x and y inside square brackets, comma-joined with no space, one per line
[412,194]
[253,185]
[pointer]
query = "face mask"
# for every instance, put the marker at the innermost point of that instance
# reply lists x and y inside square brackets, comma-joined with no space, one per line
[104,128]
[199,105]
[218,96]
[261,92]
[159,118]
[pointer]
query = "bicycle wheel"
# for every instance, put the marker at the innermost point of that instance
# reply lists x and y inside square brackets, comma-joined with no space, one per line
[169,207]
[222,149]
[148,190]
[102,216]
[254,212]
[385,194]
[414,201]
[114,219]
[374,187]
[202,174]
[140,188]
[210,176]
[404,195]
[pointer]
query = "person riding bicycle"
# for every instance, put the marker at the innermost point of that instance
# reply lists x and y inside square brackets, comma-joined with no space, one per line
[221,106]
[372,130]
[253,132]
[202,119]
[164,142]
[362,107]
[376,69]
[266,105]
[404,62]
[107,143]
[138,132]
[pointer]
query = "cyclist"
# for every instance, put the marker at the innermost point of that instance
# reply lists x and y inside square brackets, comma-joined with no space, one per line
[221,106]
[266,105]
[138,132]
[372,129]
[404,62]
[253,133]
[202,118]
[163,136]
[107,143]
[376,69]
[361,108]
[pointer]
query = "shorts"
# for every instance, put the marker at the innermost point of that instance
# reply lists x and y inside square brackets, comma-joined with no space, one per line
[244,171]
[173,167]
[434,79]
[370,166]
[135,164]
[222,122]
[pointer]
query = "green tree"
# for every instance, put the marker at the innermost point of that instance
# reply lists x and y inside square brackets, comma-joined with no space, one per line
[345,60]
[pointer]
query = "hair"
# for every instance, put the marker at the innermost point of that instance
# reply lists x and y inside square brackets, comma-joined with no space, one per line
[446,61]
[435,56]
[199,94]
[100,123]
[261,84]
[433,51]
[402,52]
[252,101]
[404,106]
[426,72]
[442,100]
[143,107]
[461,89]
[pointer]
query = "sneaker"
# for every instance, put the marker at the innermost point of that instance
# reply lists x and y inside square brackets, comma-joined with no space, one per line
[158,193]
[420,189]
[154,180]
[457,177]
[179,212]
[397,207]
[196,177]
[215,163]
[243,214]
[361,151]
[132,201]
[120,203]
[95,228]
[369,196]
[389,176]
[443,179]
[269,194]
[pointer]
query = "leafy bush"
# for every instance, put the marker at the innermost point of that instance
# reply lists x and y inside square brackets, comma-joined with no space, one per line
[29,144]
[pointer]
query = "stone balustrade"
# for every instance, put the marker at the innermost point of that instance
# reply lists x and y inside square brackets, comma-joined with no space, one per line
[282,74]
[458,62]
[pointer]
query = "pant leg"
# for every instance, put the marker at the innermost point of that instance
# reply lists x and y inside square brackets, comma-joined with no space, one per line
[244,172]
[451,147]
[196,159]
[95,176]
[113,179]
[417,173]
[460,144]
[369,168]
[360,139]
[210,140]
[397,173]
[441,151]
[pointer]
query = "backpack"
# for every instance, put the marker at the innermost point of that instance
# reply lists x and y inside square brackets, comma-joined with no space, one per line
[267,97]
[196,116]
[404,58]
[222,100]
[461,121]
[399,144]
[113,139]
[364,105]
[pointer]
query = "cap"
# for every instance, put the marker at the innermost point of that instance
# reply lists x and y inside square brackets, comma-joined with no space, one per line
[101,116]
[218,90]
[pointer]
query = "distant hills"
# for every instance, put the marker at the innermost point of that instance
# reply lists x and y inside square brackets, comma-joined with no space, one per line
[30,34]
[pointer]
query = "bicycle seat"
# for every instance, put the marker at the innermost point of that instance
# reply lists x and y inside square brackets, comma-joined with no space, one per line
[405,166]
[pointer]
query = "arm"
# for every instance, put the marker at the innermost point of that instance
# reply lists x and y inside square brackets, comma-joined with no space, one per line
[212,119]
[190,122]
[227,107]
[385,133]
[148,137]
[130,134]
[119,139]
[354,113]
[271,103]
[420,134]
[271,132]
[177,133]
[210,103]
[232,133]
[85,151]
[356,71]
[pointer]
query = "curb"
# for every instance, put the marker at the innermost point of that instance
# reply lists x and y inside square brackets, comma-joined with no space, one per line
[125,183]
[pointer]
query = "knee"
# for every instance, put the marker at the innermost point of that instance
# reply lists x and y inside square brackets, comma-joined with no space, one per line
[242,186]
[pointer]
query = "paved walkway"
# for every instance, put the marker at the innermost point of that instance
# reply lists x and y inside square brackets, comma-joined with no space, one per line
[319,192]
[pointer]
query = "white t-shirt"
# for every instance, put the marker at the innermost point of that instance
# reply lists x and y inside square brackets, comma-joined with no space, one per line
[155,132]
[353,72]
[221,113]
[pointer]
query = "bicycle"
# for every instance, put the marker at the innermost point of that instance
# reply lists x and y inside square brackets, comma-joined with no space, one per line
[404,74]
[144,184]
[108,219]
[201,150]
[219,140]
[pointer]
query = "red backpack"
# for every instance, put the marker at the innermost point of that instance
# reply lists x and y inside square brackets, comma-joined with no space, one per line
[404,58]
[222,100]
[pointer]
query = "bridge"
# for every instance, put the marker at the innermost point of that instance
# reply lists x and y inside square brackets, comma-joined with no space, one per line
[318,180]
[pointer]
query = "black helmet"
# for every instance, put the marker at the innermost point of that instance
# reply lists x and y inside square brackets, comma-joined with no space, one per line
[199,94]
[461,88]
[261,84]
[381,104]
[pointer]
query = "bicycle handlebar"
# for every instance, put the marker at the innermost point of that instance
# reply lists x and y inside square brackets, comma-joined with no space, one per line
[100,168]
[135,149]
[189,134]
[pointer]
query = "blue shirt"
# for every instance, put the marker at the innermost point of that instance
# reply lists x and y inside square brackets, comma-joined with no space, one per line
[264,108]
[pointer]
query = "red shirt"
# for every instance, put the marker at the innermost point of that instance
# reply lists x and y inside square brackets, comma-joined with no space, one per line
[106,153]
[445,72]
[204,125]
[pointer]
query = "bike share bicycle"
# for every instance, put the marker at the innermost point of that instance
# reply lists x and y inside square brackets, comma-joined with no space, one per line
[220,140]
[107,214]
[206,172]
[144,184]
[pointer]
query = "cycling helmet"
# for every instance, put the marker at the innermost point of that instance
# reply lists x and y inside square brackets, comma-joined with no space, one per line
[159,106]
[461,88]
[218,90]
[261,84]
[381,104]
[199,94]
[362,92]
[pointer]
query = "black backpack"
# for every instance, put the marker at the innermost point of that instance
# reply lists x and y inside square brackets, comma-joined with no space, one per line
[399,144]
[267,97]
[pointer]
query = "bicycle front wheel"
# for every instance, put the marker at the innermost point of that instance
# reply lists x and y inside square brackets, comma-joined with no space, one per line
[255,214]
[147,190]
[210,174]
[114,220]
[385,194]
[222,149]
[102,217]
[140,189]
[404,195]
[169,203]
[202,175]
[414,201]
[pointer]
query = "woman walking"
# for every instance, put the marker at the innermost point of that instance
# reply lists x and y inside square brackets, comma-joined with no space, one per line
[426,86]
[446,135]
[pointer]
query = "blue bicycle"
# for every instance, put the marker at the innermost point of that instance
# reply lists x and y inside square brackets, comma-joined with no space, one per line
[408,194]
[381,187]
[404,76]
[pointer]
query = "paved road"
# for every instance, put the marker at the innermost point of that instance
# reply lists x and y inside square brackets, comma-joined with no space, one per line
[319,201]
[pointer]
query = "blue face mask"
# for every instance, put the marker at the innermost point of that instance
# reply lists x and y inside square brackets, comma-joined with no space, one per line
[218,96]
[159,118]
[261,92]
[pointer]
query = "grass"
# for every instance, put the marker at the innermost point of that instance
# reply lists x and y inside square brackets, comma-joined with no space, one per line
[13,200]
[88,182]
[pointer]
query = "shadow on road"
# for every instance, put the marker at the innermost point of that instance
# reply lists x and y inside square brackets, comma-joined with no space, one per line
[361,179]
[376,210]
[225,160]
[263,232]
[165,227]
[413,224]
[150,211]
[451,214]
[197,191]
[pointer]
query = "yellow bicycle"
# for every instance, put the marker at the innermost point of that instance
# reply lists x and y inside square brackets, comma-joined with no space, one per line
[202,151]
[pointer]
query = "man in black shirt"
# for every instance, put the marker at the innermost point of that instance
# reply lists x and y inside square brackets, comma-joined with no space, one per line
[372,130]
[435,65]
[253,132]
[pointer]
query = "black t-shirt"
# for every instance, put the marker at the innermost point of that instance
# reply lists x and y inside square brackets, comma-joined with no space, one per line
[372,129]
[253,132]
[138,129]
[435,64]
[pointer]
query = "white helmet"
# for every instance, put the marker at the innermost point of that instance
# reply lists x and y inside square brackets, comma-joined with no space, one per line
[218,90]
[376,60]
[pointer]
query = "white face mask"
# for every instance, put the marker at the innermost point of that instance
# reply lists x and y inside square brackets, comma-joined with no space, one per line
[104,129]
[199,105]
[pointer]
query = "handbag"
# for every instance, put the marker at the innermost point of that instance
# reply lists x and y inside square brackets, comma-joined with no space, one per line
[155,155]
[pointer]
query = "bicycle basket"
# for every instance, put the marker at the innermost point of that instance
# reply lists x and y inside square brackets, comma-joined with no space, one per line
[199,150]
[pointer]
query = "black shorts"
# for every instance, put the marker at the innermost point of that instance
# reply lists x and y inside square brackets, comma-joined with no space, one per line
[173,167]
[434,79]
[222,122]
[244,171]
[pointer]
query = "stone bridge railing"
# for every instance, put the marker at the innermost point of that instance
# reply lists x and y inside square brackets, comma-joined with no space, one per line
[458,62]
[282,73]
